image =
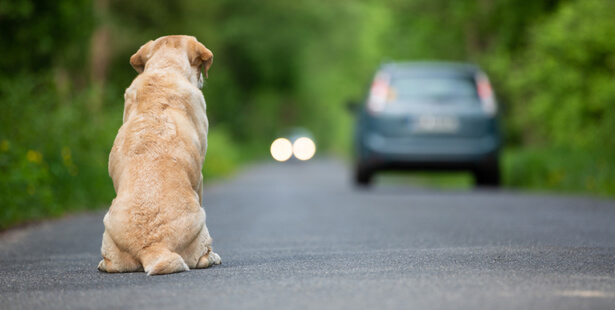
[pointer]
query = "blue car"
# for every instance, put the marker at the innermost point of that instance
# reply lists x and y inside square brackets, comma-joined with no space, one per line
[429,116]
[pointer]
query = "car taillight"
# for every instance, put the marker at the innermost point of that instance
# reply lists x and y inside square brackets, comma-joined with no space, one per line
[485,93]
[378,94]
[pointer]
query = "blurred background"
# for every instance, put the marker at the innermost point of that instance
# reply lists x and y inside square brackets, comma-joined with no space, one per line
[278,64]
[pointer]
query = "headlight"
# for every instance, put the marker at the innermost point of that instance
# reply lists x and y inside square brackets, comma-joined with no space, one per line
[281,149]
[304,148]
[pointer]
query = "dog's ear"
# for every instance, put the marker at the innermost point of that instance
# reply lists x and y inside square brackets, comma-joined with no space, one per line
[139,59]
[199,55]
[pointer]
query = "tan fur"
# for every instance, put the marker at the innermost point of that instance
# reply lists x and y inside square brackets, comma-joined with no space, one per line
[156,223]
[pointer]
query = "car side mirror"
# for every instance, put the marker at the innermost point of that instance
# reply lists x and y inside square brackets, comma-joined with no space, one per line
[353,106]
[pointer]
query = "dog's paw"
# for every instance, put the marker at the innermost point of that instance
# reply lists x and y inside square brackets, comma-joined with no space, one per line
[215,258]
[209,260]
[102,266]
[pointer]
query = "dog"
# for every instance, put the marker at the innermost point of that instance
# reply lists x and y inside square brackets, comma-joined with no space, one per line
[156,223]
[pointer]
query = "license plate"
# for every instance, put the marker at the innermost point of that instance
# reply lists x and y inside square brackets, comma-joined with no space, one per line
[435,124]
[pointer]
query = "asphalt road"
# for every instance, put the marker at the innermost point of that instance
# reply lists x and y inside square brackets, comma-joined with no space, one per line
[298,236]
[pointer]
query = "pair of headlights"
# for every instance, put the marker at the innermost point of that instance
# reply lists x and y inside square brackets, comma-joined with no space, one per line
[303,149]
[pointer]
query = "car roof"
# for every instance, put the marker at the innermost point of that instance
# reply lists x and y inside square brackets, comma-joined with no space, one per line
[429,68]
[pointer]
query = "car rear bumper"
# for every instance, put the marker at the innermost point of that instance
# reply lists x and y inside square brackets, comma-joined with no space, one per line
[438,152]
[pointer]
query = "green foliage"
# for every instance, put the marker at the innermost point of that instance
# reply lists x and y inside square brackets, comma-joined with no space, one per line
[36,34]
[53,151]
[223,155]
[563,85]
[562,95]
[560,169]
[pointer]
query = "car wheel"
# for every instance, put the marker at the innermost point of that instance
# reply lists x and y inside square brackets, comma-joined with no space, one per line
[488,173]
[363,175]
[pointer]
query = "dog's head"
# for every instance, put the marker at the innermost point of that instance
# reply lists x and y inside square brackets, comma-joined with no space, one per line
[183,52]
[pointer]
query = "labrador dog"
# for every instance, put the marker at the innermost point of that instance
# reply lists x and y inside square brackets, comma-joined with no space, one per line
[156,223]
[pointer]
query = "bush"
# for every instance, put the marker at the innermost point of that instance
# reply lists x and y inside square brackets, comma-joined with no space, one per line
[53,150]
[562,101]
[562,87]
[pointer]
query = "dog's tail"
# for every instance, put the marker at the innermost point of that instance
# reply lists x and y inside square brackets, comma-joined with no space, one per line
[160,260]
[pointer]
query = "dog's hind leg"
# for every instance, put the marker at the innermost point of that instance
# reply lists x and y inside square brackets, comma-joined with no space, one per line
[114,260]
[200,253]
[160,260]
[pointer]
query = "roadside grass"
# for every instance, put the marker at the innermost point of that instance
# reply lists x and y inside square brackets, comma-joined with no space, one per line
[588,172]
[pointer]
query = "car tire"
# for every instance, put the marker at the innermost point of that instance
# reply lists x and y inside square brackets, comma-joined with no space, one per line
[487,174]
[363,175]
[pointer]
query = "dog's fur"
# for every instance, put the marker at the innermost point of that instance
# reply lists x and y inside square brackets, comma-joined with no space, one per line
[156,222]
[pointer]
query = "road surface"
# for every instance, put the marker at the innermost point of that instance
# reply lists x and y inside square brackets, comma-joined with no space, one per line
[298,236]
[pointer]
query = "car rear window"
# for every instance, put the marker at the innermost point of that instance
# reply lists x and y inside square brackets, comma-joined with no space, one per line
[432,88]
